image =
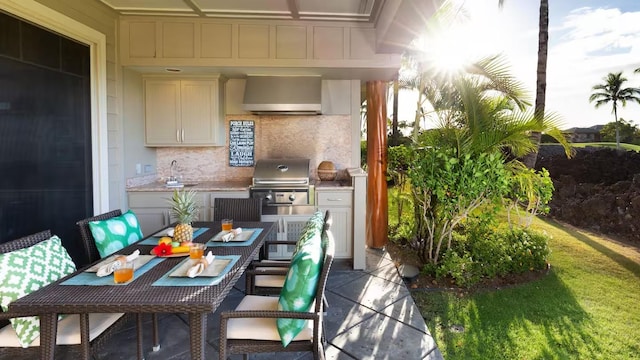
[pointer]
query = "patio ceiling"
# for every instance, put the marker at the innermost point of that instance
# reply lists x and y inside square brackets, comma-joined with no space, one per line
[397,22]
[335,10]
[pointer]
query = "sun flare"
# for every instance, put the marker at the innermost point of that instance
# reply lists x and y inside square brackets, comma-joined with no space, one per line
[458,44]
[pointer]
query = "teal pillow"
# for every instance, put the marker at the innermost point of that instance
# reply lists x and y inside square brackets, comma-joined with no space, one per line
[311,227]
[27,270]
[116,233]
[300,285]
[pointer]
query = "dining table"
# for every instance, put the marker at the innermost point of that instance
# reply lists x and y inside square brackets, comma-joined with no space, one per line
[154,289]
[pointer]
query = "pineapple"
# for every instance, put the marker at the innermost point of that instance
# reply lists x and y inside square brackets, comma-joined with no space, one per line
[183,208]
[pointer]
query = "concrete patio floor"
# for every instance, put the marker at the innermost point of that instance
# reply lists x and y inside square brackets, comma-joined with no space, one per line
[371,315]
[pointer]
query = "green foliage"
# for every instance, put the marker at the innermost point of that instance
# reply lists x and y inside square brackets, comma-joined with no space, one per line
[531,190]
[363,154]
[446,190]
[629,132]
[486,255]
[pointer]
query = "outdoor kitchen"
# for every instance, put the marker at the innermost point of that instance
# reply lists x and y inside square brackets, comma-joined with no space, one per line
[276,159]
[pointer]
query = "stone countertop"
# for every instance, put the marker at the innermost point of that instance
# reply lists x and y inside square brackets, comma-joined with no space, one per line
[196,186]
[333,185]
[234,186]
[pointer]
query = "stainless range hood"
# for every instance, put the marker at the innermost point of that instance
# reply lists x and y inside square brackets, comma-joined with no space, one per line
[283,95]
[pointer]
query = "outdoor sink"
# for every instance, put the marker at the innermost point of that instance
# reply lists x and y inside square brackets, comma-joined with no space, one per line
[178,185]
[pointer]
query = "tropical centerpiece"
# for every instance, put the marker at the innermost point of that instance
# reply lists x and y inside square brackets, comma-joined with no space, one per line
[185,211]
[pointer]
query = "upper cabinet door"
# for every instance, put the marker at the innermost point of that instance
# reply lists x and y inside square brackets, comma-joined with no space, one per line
[199,104]
[162,112]
[183,112]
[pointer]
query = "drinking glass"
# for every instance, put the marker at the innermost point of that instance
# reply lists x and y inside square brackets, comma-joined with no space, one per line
[124,273]
[227,224]
[196,251]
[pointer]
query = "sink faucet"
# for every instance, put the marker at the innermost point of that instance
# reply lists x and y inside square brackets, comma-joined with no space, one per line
[172,176]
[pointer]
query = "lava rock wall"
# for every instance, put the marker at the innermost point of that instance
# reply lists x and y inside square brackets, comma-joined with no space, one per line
[597,189]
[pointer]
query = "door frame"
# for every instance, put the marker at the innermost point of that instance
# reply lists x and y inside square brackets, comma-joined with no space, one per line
[41,15]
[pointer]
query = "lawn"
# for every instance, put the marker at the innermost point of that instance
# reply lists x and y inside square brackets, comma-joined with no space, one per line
[604,144]
[587,307]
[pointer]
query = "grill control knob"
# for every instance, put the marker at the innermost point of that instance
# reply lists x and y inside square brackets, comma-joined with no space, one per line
[292,197]
[268,197]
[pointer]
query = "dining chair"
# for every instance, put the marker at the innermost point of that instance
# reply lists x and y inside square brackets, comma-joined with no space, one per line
[87,238]
[238,209]
[252,326]
[80,334]
[266,276]
[93,255]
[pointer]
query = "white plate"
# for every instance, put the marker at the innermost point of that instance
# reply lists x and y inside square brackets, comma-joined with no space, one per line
[214,269]
[243,236]
[137,263]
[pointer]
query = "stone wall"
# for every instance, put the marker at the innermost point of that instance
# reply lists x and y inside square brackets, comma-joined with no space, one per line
[598,189]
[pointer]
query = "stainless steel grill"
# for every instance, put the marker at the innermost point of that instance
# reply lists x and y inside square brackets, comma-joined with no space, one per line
[282,184]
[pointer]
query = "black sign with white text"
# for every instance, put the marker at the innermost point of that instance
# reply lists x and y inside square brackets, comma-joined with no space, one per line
[241,142]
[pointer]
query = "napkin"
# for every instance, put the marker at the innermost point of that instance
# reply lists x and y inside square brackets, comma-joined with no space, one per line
[199,267]
[232,234]
[109,267]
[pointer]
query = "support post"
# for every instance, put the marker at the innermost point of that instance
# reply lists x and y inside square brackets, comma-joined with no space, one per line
[377,201]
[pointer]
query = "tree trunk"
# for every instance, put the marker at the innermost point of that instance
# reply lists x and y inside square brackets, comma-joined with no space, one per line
[541,80]
[615,115]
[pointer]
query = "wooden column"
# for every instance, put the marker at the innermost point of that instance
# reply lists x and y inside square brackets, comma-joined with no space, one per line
[377,202]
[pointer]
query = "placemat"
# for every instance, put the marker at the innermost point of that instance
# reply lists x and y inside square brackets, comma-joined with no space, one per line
[90,278]
[167,280]
[248,242]
[153,240]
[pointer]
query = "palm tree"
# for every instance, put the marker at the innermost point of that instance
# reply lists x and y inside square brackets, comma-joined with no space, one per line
[541,79]
[611,91]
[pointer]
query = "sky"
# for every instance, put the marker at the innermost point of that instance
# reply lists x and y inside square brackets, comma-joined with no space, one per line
[588,39]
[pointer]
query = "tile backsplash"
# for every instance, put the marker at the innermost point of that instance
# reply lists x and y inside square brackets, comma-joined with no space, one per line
[318,138]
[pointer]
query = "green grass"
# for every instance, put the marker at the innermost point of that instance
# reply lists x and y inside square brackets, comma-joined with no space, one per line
[587,307]
[605,144]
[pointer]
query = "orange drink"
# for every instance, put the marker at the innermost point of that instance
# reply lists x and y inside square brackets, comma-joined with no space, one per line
[227,224]
[123,274]
[196,251]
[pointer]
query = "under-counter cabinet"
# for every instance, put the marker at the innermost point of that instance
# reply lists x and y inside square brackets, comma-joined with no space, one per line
[288,228]
[183,111]
[153,210]
[339,203]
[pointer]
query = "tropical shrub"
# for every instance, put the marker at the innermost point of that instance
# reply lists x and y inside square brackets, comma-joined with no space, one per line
[496,254]
[529,194]
[446,190]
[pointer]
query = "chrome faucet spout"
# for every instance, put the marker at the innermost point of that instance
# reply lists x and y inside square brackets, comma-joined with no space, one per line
[172,177]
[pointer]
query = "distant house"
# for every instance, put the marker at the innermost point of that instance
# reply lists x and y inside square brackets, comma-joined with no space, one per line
[582,135]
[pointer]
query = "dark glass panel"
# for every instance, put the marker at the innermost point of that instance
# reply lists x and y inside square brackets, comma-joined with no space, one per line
[40,46]
[9,36]
[74,57]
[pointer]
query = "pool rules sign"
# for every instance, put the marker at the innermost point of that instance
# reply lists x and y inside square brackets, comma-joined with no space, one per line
[241,142]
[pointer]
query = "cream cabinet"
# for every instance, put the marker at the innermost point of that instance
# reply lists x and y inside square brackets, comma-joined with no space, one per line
[339,203]
[183,111]
[288,228]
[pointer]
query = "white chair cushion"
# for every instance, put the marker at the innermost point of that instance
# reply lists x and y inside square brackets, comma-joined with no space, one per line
[68,330]
[261,328]
[273,281]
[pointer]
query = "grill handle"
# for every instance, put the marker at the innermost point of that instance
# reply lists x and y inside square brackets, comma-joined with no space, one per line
[276,182]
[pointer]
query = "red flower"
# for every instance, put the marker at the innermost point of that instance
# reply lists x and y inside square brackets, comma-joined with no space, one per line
[163,249]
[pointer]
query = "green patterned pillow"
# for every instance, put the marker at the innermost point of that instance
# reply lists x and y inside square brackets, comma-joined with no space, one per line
[300,285]
[27,270]
[116,233]
[313,225]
